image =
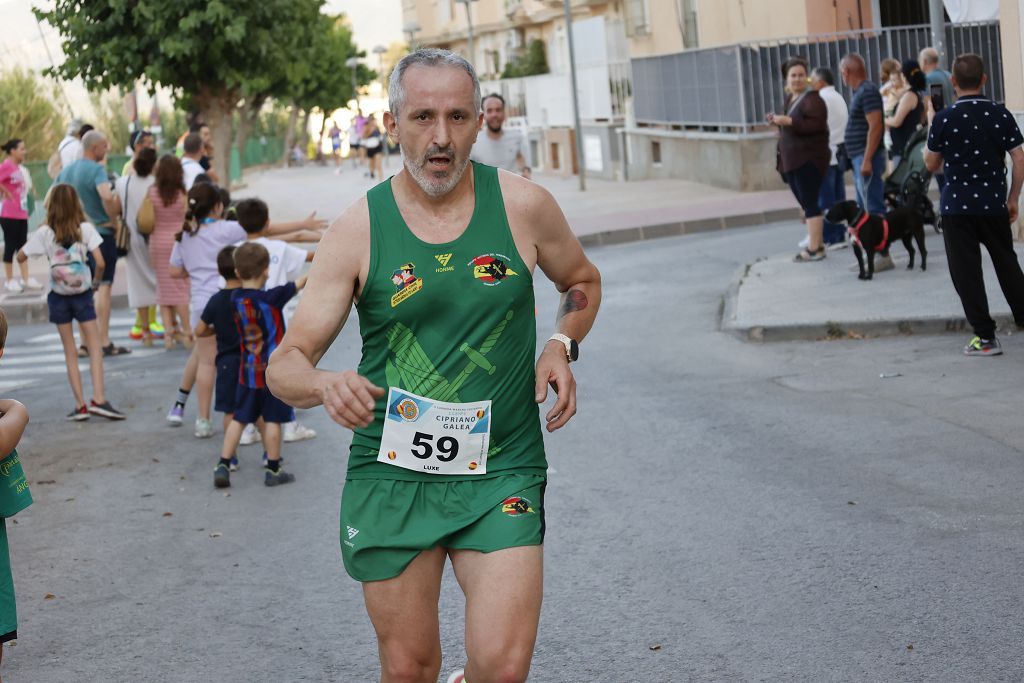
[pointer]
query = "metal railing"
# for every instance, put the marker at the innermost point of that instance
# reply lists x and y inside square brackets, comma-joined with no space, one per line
[736,86]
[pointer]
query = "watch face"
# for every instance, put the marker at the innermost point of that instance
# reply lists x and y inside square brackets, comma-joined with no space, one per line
[574,350]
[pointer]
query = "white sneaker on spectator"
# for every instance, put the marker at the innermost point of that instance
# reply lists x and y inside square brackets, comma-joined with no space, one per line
[33,283]
[250,435]
[13,287]
[803,243]
[293,431]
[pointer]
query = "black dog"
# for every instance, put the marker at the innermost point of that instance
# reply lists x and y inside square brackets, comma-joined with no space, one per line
[875,233]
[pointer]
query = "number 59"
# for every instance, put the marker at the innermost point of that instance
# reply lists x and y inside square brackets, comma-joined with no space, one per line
[447,447]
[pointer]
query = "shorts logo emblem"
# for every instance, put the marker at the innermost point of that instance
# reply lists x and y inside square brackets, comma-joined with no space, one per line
[406,283]
[351,532]
[515,506]
[491,269]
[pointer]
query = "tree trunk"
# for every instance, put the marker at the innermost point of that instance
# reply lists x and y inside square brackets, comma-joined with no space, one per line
[215,107]
[289,135]
[247,116]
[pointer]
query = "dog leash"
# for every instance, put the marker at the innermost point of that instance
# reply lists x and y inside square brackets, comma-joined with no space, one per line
[855,231]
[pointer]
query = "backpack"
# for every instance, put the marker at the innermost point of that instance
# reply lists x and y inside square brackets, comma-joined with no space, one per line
[69,270]
[54,165]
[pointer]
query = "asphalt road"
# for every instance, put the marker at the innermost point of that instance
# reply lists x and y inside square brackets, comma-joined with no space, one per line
[718,511]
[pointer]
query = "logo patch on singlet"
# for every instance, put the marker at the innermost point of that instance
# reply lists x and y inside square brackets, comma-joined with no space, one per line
[491,269]
[443,259]
[406,283]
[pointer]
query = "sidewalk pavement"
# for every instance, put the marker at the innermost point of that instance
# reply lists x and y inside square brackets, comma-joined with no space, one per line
[775,299]
[772,299]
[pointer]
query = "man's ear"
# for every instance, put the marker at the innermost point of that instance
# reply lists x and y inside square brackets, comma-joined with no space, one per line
[391,126]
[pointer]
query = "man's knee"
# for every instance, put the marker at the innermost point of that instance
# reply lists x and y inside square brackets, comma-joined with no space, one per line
[509,665]
[404,665]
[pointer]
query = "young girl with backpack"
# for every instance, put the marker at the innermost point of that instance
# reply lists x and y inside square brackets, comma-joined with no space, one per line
[66,240]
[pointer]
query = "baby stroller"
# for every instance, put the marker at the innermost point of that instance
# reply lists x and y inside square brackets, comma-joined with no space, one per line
[908,183]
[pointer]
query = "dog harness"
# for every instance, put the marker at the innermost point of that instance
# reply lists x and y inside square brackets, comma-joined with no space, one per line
[854,231]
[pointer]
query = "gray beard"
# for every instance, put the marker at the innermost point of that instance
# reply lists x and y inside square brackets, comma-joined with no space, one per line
[430,183]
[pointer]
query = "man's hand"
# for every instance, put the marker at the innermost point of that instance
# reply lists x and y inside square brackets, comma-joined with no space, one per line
[1013,206]
[553,369]
[865,167]
[349,398]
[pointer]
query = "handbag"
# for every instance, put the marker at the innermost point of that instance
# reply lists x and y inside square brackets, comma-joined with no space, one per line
[122,236]
[145,220]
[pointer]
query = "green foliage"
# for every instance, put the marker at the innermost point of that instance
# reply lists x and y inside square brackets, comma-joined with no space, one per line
[272,123]
[533,63]
[111,119]
[173,123]
[29,110]
[328,84]
[194,46]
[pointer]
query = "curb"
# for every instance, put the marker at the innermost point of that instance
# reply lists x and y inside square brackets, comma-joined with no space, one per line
[838,329]
[674,229]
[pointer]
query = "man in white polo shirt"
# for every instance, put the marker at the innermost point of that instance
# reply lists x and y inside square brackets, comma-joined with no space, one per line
[190,165]
[497,147]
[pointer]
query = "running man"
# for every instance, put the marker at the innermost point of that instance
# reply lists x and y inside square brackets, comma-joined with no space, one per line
[447,457]
[499,146]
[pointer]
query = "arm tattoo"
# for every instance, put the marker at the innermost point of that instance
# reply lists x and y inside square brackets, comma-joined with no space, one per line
[575,300]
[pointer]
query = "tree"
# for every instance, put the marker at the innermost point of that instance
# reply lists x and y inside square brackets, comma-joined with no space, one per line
[534,62]
[206,50]
[328,84]
[28,110]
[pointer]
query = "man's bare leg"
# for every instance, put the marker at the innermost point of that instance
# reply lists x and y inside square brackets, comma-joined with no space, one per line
[504,591]
[404,614]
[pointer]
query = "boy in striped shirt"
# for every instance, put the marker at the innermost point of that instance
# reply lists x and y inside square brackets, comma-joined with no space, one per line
[260,320]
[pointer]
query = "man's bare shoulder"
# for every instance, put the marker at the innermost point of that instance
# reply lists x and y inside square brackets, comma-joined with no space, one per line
[524,198]
[349,232]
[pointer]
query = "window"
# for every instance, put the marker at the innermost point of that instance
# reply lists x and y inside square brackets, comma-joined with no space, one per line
[656,152]
[638,17]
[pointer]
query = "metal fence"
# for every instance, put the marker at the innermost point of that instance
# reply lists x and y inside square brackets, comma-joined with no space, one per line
[735,86]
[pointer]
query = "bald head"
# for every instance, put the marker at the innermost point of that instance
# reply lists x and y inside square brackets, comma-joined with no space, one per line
[853,70]
[94,145]
[929,59]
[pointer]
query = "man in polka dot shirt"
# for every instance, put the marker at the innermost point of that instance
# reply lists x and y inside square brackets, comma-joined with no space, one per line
[971,139]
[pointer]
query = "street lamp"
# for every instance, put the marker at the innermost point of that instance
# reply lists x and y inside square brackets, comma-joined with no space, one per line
[379,51]
[575,99]
[410,29]
[353,63]
[469,22]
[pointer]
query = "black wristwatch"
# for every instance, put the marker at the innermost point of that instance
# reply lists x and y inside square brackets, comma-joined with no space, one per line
[572,349]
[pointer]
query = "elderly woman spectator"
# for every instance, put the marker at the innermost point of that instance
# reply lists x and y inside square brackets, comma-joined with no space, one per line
[910,108]
[132,189]
[804,152]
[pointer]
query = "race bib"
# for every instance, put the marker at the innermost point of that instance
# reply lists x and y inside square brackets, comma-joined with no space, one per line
[430,436]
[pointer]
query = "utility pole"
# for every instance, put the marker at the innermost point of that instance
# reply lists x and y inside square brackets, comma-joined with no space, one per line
[576,99]
[935,9]
[469,22]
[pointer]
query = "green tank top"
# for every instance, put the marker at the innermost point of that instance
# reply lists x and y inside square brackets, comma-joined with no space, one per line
[453,322]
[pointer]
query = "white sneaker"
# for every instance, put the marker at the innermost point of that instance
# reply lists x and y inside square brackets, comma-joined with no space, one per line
[33,283]
[13,287]
[250,435]
[204,428]
[803,243]
[293,431]
[457,676]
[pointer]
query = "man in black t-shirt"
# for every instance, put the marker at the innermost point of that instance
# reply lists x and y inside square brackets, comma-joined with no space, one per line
[972,138]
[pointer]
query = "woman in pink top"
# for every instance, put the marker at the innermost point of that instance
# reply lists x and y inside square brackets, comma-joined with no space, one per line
[14,213]
[169,206]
